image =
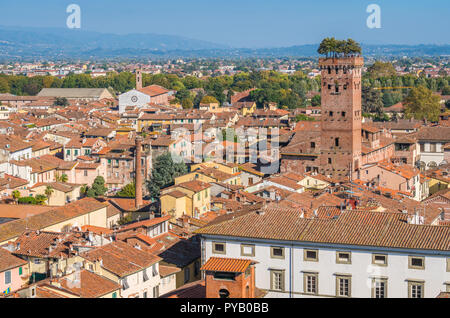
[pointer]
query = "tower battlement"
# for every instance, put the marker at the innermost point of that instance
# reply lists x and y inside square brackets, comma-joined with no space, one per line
[356,61]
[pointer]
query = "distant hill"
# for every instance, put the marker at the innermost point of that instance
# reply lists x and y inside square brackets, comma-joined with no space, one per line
[54,43]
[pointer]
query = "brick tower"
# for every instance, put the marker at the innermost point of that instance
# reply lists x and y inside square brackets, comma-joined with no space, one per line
[138,173]
[138,79]
[340,141]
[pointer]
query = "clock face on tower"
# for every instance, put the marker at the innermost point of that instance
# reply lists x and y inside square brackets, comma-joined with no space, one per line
[134,99]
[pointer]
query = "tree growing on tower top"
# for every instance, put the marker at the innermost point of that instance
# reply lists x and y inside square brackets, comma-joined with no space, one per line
[339,48]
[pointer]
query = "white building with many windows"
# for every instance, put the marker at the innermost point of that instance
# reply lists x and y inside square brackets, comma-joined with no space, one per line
[359,254]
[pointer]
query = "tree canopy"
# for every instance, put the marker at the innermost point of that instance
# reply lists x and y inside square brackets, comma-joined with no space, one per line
[164,172]
[98,188]
[422,103]
[128,191]
[335,48]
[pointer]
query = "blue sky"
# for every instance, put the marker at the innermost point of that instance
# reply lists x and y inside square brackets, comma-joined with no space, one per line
[246,23]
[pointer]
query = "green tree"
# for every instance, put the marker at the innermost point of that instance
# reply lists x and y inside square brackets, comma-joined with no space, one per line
[4,85]
[61,101]
[16,195]
[446,90]
[84,189]
[27,200]
[128,191]
[381,69]
[209,100]
[49,192]
[187,103]
[303,117]
[388,99]
[165,170]
[40,199]
[372,101]
[316,100]
[422,103]
[98,188]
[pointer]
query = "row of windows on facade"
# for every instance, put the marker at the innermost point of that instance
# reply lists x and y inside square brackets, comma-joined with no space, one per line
[431,147]
[312,255]
[343,114]
[343,285]
[145,277]
[75,152]
[344,70]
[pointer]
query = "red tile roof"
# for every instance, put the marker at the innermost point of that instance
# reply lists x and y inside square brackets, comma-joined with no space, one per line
[232,265]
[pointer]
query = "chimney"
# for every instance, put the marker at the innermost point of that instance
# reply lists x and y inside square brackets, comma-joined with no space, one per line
[138,79]
[138,173]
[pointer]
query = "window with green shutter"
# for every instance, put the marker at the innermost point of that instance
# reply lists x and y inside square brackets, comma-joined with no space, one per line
[114,295]
[20,270]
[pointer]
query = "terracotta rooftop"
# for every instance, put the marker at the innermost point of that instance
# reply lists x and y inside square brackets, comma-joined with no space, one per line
[9,261]
[121,258]
[232,265]
[389,230]
[56,215]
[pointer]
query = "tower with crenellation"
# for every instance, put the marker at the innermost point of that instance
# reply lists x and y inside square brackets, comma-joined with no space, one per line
[340,140]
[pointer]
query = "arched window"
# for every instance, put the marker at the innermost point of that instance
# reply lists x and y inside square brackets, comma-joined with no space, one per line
[223,293]
[432,164]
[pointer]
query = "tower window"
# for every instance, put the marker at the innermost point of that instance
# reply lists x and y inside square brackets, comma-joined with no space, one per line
[345,87]
[329,70]
[313,145]
[343,114]
[329,161]
[337,88]
[331,114]
[336,142]
[329,86]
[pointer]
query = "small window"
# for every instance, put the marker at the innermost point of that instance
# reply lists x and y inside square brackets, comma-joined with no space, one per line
[379,259]
[343,257]
[311,255]
[331,114]
[329,161]
[415,289]
[313,145]
[7,277]
[223,293]
[379,288]
[277,252]
[247,250]
[187,275]
[311,283]
[277,280]
[219,248]
[114,295]
[20,270]
[224,276]
[343,114]
[336,142]
[416,262]
[343,286]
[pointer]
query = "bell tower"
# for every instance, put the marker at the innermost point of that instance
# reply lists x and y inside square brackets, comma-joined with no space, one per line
[138,79]
[340,141]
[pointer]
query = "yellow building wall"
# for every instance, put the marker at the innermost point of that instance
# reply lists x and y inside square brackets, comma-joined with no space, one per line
[437,185]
